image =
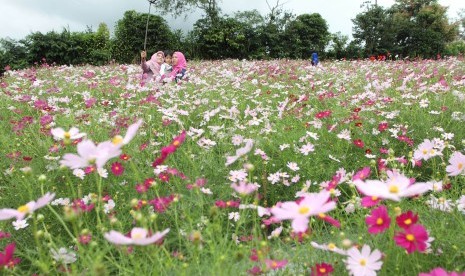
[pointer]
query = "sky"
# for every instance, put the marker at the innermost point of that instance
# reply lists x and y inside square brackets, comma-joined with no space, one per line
[18,18]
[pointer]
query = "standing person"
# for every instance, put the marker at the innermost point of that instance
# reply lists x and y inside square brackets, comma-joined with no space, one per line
[179,66]
[167,67]
[151,68]
[314,59]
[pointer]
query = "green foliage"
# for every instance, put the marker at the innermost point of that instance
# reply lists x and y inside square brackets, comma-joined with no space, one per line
[306,33]
[408,28]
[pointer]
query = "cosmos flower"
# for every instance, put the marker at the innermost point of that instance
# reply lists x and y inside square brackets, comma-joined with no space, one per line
[90,154]
[312,204]
[60,134]
[394,188]
[26,209]
[138,236]
[365,262]
[378,221]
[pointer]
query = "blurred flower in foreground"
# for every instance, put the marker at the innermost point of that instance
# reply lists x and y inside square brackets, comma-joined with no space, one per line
[138,237]
[28,208]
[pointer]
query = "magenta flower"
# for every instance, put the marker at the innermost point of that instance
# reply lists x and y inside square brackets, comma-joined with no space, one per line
[362,174]
[6,257]
[299,212]
[28,208]
[456,164]
[439,271]
[413,238]
[378,221]
[370,201]
[405,220]
[138,236]
[90,154]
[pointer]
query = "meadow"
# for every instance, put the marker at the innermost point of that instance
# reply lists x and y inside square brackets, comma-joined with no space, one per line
[243,168]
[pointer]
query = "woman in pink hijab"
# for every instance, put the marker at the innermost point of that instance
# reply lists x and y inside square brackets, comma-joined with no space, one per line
[151,68]
[179,66]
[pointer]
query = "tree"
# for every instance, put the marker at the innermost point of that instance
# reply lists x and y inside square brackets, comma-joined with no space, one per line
[271,32]
[373,29]
[337,46]
[12,54]
[305,34]
[130,35]
[422,27]
[223,38]
[178,7]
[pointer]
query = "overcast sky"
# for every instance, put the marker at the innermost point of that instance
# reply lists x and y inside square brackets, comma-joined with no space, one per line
[18,18]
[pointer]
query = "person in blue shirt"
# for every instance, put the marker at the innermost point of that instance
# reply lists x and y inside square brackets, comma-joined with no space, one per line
[314,59]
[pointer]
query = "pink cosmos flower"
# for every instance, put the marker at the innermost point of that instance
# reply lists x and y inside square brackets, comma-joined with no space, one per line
[138,237]
[426,150]
[456,164]
[244,188]
[413,238]
[394,188]
[120,141]
[28,208]
[275,264]
[60,134]
[362,174]
[439,271]
[378,221]
[90,154]
[363,263]
[370,201]
[299,212]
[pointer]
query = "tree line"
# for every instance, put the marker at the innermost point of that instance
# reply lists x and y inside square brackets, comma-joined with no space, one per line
[409,28]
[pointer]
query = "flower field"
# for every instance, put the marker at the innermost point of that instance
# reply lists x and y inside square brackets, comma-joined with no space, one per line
[243,168]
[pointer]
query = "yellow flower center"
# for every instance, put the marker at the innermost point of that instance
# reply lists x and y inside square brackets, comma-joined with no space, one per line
[363,262]
[118,139]
[332,191]
[23,209]
[304,210]
[379,221]
[393,189]
[137,236]
[322,270]
[176,143]
[408,221]
[331,246]
[460,166]
[67,135]
[424,151]
[321,215]
[374,198]
[274,264]
[410,237]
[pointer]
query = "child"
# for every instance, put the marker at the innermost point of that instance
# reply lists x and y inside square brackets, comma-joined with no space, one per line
[166,67]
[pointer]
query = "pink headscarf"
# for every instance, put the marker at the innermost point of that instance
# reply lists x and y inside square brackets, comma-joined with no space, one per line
[153,64]
[182,64]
